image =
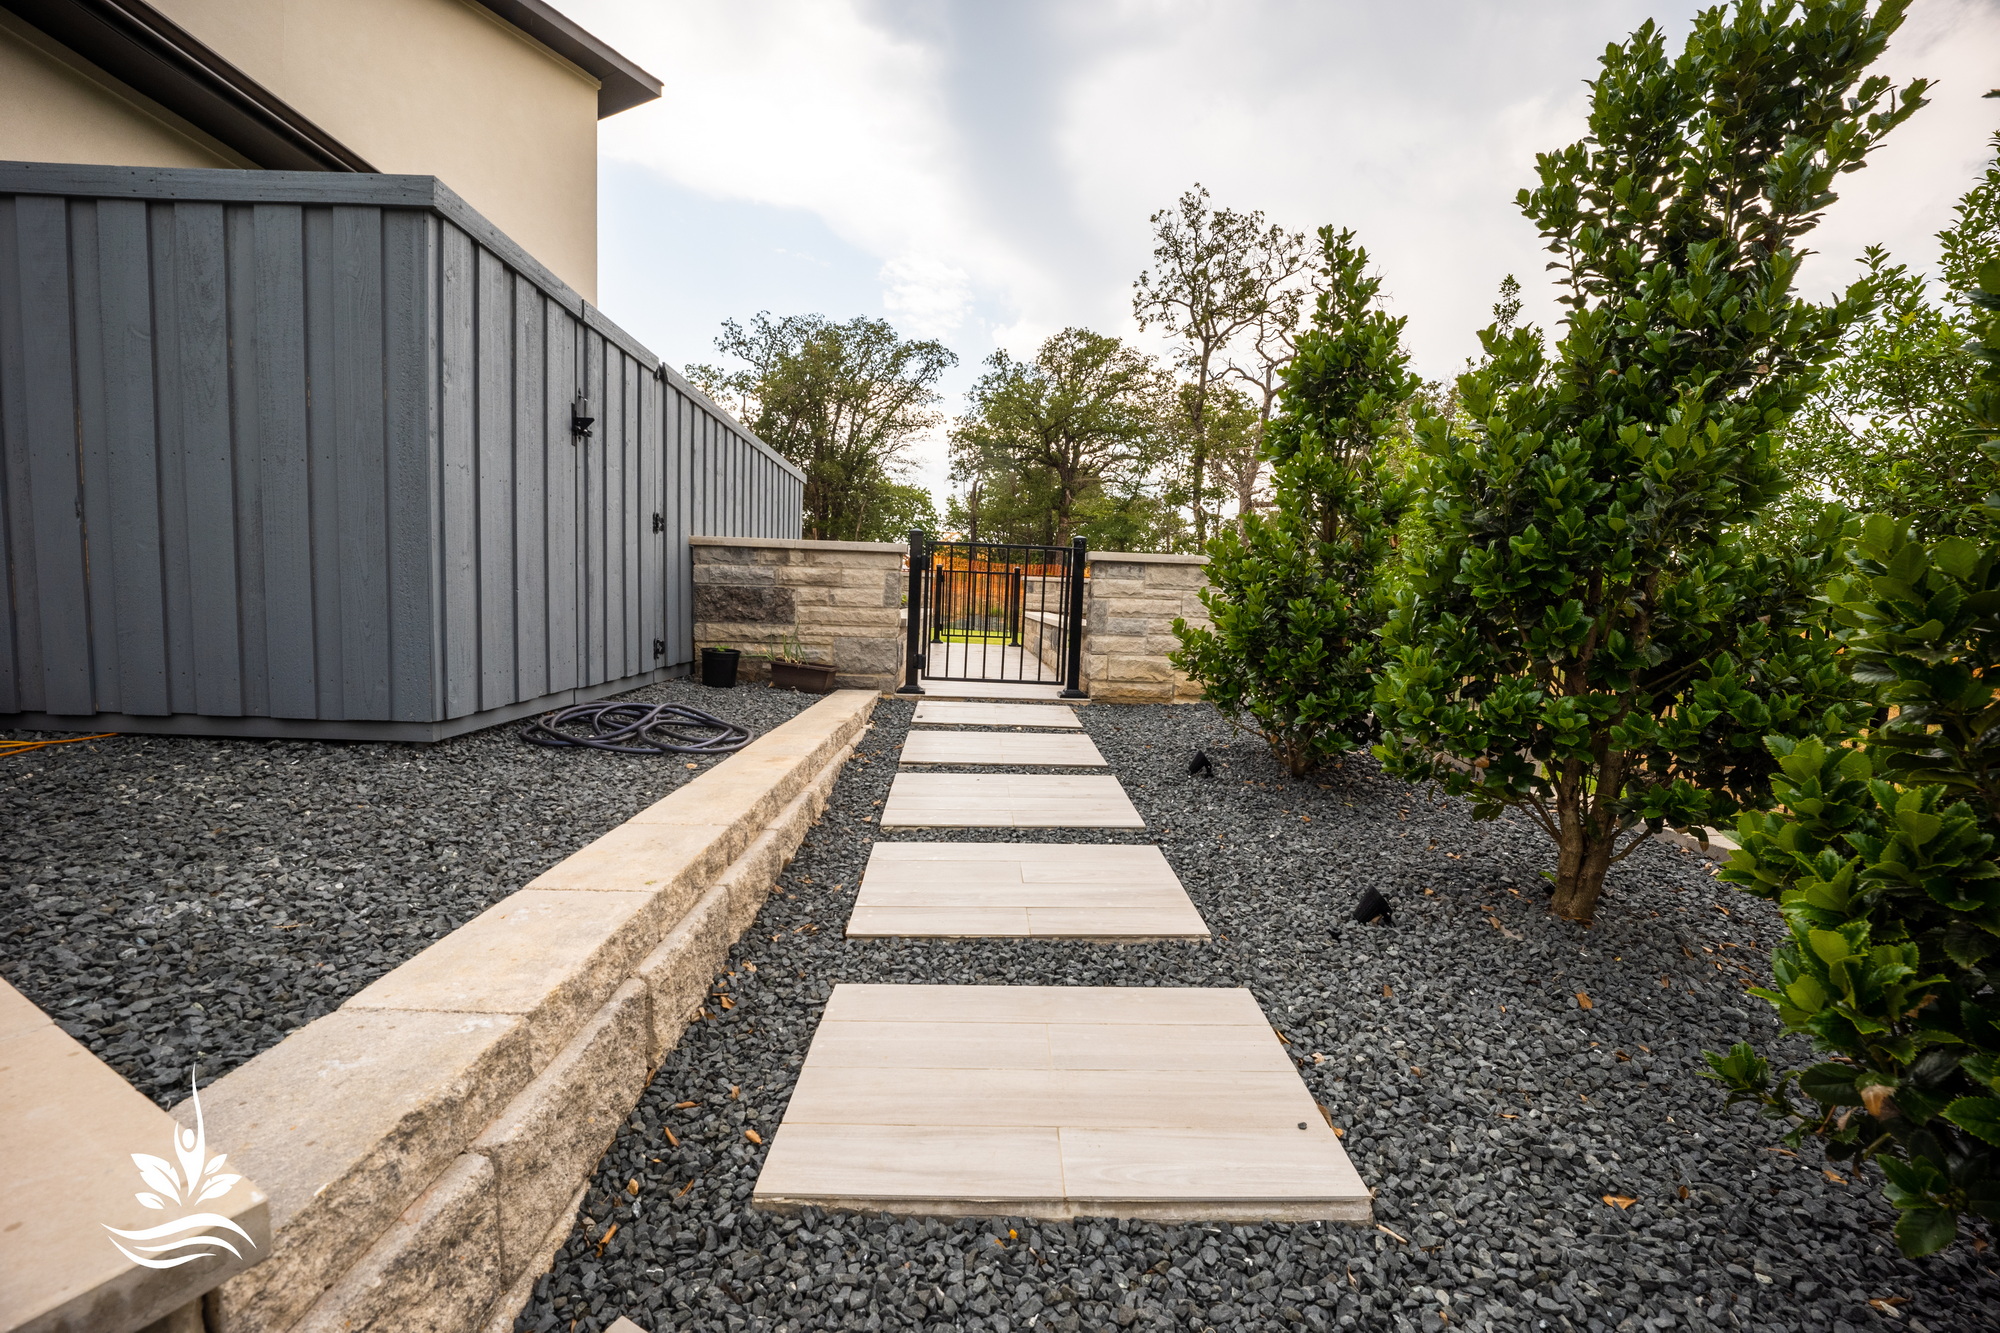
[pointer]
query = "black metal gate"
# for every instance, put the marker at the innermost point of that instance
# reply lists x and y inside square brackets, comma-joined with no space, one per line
[995,611]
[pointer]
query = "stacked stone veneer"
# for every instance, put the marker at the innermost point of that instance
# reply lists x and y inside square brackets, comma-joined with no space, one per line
[1130,602]
[425,1147]
[843,601]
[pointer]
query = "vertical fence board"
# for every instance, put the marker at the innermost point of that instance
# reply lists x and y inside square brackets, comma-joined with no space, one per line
[493,429]
[241,300]
[360,455]
[209,474]
[458,537]
[532,467]
[565,456]
[277,356]
[591,514]
[128,546]
[413,580]
[20,671]
[92,429]
[46,391]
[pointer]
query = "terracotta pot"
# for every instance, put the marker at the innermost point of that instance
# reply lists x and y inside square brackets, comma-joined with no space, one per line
[809,677]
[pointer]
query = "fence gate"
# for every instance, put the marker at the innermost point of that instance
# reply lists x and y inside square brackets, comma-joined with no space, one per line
[995,611]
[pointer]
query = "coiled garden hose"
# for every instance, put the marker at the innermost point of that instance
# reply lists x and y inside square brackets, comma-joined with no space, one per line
[630,728]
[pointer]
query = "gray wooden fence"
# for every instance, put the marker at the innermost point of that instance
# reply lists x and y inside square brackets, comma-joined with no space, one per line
[291,453]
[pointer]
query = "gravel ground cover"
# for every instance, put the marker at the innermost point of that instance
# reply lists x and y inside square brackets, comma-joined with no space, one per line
[1491,1107]
[176,901]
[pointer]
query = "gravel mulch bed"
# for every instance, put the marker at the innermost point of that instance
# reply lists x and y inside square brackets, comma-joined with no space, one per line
[1492,1110]
[175,902]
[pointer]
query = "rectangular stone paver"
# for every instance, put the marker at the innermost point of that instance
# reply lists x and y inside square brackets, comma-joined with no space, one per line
[1022,890]
[1026,748]
[993,689]
[1007,800]
[1056,1102]
[970,713]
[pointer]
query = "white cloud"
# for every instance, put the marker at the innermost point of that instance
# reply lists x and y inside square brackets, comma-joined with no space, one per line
[925,297]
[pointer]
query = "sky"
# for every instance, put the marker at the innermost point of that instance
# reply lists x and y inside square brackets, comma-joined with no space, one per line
[983,171]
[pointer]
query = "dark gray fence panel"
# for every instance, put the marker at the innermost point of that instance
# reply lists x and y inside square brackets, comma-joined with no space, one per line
[267,453]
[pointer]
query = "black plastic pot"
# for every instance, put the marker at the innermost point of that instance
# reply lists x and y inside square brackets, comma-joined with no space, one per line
[718,667]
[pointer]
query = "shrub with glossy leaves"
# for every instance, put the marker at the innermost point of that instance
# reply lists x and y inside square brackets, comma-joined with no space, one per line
[1585,636]
[1884,864]
[1292,653]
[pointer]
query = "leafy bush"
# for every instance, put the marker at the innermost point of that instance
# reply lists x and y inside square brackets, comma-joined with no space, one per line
[1884,868]
[1884,865]
[1293,596]
[1585,635]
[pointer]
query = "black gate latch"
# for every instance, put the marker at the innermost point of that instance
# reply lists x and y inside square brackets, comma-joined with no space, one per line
[659,522]
[659,647]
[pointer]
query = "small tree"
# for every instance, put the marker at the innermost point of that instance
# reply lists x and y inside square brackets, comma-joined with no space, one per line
[1215,274]
[1293,594]
[844,401]
[1083,416]
[1585,632]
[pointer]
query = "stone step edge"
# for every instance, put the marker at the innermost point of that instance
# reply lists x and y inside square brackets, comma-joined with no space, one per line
[69,1123]
[370,1216]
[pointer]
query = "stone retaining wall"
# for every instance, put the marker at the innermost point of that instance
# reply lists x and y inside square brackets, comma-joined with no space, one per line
[425,1147]
[843,600]
[1130,601]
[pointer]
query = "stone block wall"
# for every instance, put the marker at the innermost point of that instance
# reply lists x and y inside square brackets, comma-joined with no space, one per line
[1130,602]
[843,600]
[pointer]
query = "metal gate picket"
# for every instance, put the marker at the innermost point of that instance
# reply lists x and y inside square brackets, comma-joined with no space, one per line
[985,611]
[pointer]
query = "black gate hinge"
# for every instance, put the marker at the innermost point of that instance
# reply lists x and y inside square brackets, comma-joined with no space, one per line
[659,647]
[659,522]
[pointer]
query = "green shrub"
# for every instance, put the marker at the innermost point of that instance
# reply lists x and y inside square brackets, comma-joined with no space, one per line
[1883,863]
[1585,635]
[1293,597]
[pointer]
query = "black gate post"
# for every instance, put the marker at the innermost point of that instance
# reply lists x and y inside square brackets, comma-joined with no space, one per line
[913,626]
[1073,640]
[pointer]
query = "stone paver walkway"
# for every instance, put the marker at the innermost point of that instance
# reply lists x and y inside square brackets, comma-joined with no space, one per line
[964,890]
[1023,748]
[1056,1102]
[1044,1101]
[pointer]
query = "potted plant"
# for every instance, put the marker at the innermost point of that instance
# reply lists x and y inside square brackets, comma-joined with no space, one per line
[718,666]
[791,671]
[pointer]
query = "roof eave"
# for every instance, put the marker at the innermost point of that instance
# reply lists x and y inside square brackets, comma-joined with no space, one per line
[622,85]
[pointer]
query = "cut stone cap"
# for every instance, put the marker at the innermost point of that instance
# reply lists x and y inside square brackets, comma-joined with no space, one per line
[71,1128]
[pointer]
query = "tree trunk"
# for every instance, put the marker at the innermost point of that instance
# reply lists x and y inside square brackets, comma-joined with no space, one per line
[1586,840]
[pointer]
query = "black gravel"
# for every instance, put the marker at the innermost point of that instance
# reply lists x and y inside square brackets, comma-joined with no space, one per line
[175,902]
[1492,1111]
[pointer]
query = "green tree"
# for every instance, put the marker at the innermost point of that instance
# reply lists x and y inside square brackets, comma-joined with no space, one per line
[899,507]
[1291,654]
[1084,416]
[1587,636]
[1215,274]
[843,401]
[1888,432]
